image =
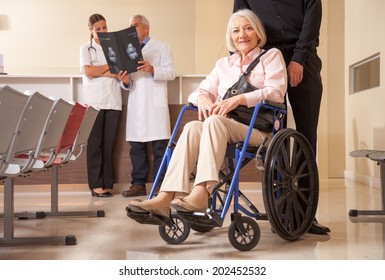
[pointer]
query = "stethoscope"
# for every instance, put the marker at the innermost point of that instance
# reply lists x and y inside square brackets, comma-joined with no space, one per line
[91,49]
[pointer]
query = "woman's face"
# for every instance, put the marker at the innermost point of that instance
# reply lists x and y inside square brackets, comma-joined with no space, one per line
[243,35]
[99,26]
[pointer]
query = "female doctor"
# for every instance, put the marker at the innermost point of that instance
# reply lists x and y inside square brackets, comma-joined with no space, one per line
[101,89]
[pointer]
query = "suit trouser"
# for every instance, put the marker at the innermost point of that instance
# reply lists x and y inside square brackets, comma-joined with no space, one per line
[139,160]
[100,149]
[203,144]
[305,100]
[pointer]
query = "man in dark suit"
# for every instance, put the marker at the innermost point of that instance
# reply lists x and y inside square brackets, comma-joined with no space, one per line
[293,27]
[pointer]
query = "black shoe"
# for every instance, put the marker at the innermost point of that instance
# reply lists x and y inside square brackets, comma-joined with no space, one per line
[105,194]
[317,228]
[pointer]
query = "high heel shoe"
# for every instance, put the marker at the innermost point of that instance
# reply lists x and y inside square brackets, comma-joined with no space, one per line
[148,207]
[180,204]
[104,194]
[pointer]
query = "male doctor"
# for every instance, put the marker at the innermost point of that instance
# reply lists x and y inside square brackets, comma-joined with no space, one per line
[148,119]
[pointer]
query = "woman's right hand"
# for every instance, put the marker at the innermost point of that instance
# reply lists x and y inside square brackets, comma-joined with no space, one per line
[204,105]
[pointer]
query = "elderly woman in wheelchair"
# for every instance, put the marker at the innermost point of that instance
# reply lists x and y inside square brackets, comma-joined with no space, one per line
[203,143]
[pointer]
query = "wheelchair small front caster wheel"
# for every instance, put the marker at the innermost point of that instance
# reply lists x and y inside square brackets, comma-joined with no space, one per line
[244,241]
[177,233]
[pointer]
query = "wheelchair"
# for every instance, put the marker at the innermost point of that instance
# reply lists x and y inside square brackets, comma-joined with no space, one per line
[290,188]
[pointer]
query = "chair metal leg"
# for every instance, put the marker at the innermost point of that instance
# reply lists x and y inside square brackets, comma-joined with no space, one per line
[55,201]
[55,204]
[9,227]
[356,213]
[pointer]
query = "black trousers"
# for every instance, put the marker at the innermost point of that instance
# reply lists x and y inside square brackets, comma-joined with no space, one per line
[305,99]
[100,149]
[139,160]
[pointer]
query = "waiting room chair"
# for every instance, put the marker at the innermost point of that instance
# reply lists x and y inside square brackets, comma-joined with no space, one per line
[29,126]
[379,157]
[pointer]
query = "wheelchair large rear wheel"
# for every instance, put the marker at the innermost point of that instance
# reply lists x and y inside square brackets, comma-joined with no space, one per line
[290,184]
[177,233]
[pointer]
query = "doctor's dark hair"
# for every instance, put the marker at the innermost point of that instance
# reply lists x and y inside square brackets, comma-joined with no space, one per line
[94,19]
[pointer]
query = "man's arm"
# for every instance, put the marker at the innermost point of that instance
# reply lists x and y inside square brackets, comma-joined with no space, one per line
[308,39]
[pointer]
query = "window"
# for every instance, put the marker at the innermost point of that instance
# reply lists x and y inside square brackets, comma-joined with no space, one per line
[365,74]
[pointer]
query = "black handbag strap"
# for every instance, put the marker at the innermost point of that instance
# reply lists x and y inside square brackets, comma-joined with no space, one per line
[253,63]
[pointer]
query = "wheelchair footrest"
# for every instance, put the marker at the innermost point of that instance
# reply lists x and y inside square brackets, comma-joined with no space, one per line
[147,218]
[210,218]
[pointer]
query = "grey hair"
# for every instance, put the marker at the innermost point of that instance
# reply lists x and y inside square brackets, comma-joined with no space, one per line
[142,18]
[255,23]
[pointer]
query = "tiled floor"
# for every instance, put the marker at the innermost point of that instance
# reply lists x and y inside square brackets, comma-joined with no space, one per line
[117,237]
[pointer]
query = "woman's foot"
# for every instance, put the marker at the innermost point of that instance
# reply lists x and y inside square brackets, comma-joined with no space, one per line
[182,205]
[160,205]
[196,201]
[100,192]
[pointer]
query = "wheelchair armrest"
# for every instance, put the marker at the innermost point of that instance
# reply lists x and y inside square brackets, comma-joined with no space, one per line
[190,106]
[274,104]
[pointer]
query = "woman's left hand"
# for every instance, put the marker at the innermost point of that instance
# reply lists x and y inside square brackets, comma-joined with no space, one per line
[224,106]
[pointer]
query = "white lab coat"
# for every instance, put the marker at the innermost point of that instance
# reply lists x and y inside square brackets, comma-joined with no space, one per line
[100,92]
[148,117]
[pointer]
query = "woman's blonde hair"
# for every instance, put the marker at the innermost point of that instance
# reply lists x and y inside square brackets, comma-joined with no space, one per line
[255,23]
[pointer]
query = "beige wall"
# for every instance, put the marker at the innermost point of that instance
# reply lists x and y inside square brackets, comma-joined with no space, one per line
[333,126]
[365,110]
[211,23]
[44,36]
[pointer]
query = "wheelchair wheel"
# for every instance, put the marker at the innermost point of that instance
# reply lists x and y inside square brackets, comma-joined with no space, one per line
[177,233]
[244,242]
[290,185]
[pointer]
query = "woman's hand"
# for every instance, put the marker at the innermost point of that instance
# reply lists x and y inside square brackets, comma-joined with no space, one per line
[204,105]
[207,108]
[224,106]
[109,74]
[95,71]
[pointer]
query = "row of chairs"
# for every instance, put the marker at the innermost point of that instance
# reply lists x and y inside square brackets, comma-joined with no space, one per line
[37,134]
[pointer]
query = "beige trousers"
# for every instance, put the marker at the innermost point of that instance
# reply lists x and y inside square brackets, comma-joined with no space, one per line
[203,144]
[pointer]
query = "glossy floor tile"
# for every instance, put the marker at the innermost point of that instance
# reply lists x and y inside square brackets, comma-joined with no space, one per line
[117,237]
